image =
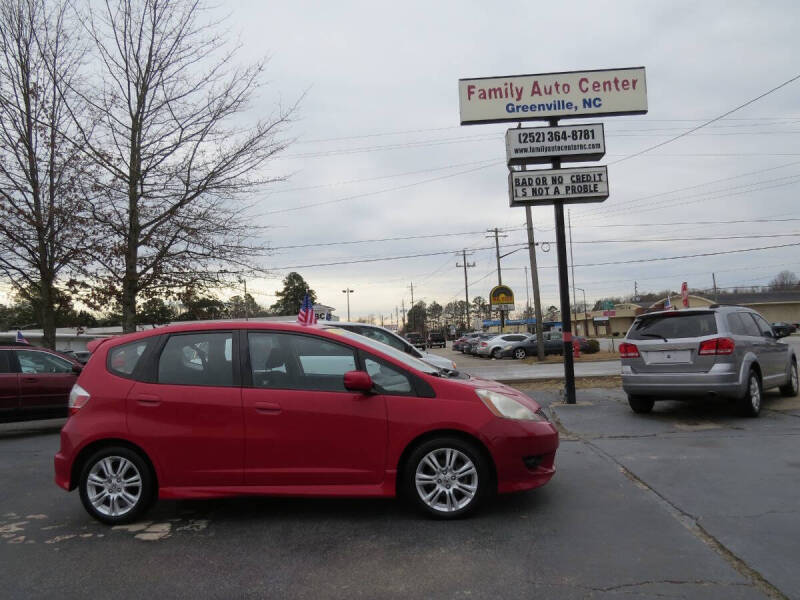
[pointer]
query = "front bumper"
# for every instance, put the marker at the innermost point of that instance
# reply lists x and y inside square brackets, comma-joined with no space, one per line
[521,443]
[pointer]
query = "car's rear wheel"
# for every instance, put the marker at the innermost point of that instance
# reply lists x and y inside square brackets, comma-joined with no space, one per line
[520,353]
[496,353]
[447,478]
[791,386]
[640,404]
[116,485]
[750,403]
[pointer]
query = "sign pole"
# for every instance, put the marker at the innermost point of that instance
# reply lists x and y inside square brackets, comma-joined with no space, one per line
[563,288]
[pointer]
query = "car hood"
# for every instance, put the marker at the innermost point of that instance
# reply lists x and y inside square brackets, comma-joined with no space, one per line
[440,362]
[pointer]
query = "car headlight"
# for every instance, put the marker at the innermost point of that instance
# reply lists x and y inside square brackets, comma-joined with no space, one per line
[506,407]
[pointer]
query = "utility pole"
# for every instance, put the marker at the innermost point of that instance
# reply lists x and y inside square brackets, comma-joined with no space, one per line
[714,279]
[466,265]
[537,302]
[403,305]
[527,298]
[572,263]
[636,291]
[348,291]
[497,236]
[411,310]
[397,318]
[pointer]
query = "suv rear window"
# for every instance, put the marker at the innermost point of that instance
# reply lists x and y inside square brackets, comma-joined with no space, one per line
[673,325]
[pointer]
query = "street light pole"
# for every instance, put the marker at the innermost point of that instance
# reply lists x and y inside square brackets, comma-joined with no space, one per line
[348,291]
[585,314]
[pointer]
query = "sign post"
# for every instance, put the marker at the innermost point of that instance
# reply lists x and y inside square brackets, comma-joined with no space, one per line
[550,97]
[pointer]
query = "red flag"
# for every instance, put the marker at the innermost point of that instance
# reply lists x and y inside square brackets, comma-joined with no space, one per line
[685,294]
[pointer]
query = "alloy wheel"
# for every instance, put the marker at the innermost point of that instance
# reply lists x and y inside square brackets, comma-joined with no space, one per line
[755,393]
[446,480]
[114,486]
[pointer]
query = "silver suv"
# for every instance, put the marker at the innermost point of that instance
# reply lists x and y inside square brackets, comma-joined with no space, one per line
[725,351]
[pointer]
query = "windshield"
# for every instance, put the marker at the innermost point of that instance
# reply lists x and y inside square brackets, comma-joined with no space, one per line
[401,357]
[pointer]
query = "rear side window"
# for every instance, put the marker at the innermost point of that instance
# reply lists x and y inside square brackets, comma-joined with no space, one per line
[204,359]
[122,360]
[736,325]
[33,361]
[674,325]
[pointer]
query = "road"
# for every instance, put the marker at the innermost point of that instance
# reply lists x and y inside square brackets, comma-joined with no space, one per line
[687,502]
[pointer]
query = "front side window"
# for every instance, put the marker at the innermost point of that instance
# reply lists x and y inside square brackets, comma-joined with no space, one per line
[204,359]
[298,362]
[35,362]
[388,380]
[765,329]
[382,336]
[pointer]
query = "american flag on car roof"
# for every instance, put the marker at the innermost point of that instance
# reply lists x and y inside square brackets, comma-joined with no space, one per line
[306,315]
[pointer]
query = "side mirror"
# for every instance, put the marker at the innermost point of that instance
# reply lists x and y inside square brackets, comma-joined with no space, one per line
[358,381]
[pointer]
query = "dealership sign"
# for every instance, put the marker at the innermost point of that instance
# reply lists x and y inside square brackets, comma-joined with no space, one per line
[501,298]
[552,96]
[570,143]
[547,186]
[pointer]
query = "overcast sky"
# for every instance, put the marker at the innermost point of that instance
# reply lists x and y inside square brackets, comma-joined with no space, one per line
[380,152]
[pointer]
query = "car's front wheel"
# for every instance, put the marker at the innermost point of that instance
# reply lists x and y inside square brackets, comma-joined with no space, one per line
[447,477]
[520,353]
[116,485]
[791,386]
[640,404]
[750,403]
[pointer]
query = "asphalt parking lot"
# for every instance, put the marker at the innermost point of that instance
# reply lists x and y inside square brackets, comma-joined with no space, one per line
[690,502]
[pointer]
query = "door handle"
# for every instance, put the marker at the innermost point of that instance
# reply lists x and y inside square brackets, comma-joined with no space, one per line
[30,379]
[268,408]
[148,399]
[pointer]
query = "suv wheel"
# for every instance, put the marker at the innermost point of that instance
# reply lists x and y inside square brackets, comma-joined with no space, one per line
[640,404]
[750,403]
[791,386]
[447,478]
[520,353]
[116,485]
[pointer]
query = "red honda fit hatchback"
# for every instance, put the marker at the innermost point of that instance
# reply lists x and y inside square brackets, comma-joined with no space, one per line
[224,409]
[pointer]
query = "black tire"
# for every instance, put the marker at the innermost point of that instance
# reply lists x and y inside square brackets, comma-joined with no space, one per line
[751,400]
[641,404]
[481,480]
[98,465]
[495,353]
[791,387]
[520,353]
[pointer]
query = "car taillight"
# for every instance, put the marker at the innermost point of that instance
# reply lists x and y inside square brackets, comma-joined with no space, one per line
[78,397]
[484,344]
[717,346]
[627,350]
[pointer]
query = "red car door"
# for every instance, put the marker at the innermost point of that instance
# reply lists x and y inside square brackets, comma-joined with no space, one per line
[302,428]
[9,384]
[190,417]
[45,379]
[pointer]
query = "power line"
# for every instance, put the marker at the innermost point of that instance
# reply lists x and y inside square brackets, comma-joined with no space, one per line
[722,116]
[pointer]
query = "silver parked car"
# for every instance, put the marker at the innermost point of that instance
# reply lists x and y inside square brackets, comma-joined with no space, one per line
[725,351]
[395,341]
[493,346]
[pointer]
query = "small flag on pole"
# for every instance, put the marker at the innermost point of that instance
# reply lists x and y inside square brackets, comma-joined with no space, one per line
[20,339]
[306,315]
[667,304]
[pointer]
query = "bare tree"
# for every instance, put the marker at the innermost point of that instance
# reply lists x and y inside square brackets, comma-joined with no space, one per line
[172,139]
[784,280]
[42,231]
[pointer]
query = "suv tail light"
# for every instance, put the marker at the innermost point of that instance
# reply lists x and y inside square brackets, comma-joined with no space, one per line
[627,350]
[78,397]
[717,346]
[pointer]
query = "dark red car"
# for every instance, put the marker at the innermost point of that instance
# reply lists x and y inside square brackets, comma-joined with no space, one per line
[34,382]
[224,409]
